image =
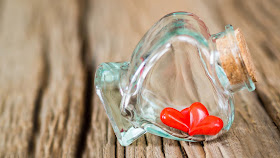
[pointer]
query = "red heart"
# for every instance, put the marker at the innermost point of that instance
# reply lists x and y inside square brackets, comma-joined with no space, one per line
[201,123]
[174,118]
[211,125]
[194,120]
[196,113]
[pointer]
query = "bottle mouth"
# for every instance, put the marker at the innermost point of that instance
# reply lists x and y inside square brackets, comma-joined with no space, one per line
[234,65]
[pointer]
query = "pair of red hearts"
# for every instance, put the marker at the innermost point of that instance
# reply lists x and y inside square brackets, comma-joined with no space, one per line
[194,120]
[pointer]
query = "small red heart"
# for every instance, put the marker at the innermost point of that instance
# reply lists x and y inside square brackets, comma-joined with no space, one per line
[174,118]
[201,123]
[211,125]
[196,113]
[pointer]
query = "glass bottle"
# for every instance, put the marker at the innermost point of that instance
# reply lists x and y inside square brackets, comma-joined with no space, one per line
[176,64]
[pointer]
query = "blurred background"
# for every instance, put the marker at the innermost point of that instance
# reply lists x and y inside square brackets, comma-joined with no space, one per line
[49,51]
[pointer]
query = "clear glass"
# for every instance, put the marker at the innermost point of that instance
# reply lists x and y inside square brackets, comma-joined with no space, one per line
[174,65]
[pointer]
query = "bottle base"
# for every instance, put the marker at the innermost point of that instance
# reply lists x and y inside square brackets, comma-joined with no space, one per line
[107,80]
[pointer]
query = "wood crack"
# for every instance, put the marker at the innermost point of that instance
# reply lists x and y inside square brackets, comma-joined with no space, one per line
[184,153]
[162,146]
[116,147]
[38,101]
[266,110]
[266,102]
[88,69]
[124,151]
[202,146]
[146,141]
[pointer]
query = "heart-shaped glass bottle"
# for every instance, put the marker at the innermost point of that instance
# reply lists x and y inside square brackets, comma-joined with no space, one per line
[177,63]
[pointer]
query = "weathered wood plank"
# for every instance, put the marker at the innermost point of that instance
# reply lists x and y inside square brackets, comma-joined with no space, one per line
[62,108]
[43,79]
[22,71]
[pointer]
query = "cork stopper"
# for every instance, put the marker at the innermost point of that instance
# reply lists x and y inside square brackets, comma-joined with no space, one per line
[235,58]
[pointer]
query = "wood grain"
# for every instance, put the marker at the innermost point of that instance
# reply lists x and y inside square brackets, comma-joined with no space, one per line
[21,68]
[48,54]
[62,107]
[43,83]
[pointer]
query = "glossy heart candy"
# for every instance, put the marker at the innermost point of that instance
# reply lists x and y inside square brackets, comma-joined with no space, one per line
[210,125]
[201,123]
[196,113]
[174,118]
[194,120]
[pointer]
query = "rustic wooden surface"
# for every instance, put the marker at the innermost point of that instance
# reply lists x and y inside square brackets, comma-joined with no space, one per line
[49,51]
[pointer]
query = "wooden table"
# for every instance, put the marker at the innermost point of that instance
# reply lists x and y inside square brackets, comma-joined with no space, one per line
[49,51]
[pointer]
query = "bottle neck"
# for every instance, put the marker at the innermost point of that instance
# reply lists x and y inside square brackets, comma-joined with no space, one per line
[233,66]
